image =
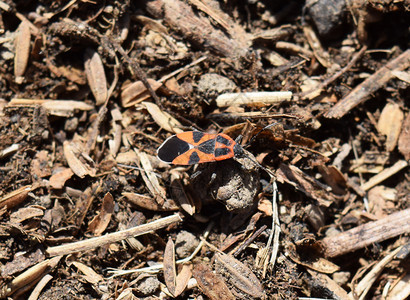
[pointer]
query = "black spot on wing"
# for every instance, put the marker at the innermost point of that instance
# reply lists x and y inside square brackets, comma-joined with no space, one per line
[221,151]
[172,148]
[194,158]
[222,140]
[197,136]
[207,147]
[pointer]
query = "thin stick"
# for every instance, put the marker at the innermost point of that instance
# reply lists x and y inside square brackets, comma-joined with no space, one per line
[156,268]
[386,173]
[93,243]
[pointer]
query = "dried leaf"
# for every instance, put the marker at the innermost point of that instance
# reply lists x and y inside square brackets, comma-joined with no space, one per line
[306,184]
[170,272]
[83,203]
[94,70]
[128,157]
[334,178]
[72,152]
[179,194]
[182,279]
[148,175]
[238,275]
[163,119]
[265,206]
[101,221]
[136,92]
[58,179]
[26,213]
[149,203]
[390,123]
[212,285]
[22,50]
[89,274]
[40,167]
[297,139]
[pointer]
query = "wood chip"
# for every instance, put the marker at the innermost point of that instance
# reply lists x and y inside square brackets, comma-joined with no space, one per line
[198,29]
[321,55]
[386,173]
[62,108]
[364,235]
[254,98]
[115,143]
[16,197]
[332,289]
[70,72]
[361,92]
[390,124]
[22,51]
[401,290]
[404,76]
[94,69]
[136,92]
[40,165]
[22,262]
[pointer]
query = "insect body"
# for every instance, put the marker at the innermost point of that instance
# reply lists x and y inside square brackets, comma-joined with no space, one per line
[193,147]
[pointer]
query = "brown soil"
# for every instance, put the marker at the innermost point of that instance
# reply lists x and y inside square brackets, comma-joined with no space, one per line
[317,206]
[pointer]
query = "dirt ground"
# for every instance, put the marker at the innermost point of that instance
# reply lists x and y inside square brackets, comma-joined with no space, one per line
[313,201]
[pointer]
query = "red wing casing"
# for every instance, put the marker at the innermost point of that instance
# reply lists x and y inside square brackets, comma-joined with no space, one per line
[194,147]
